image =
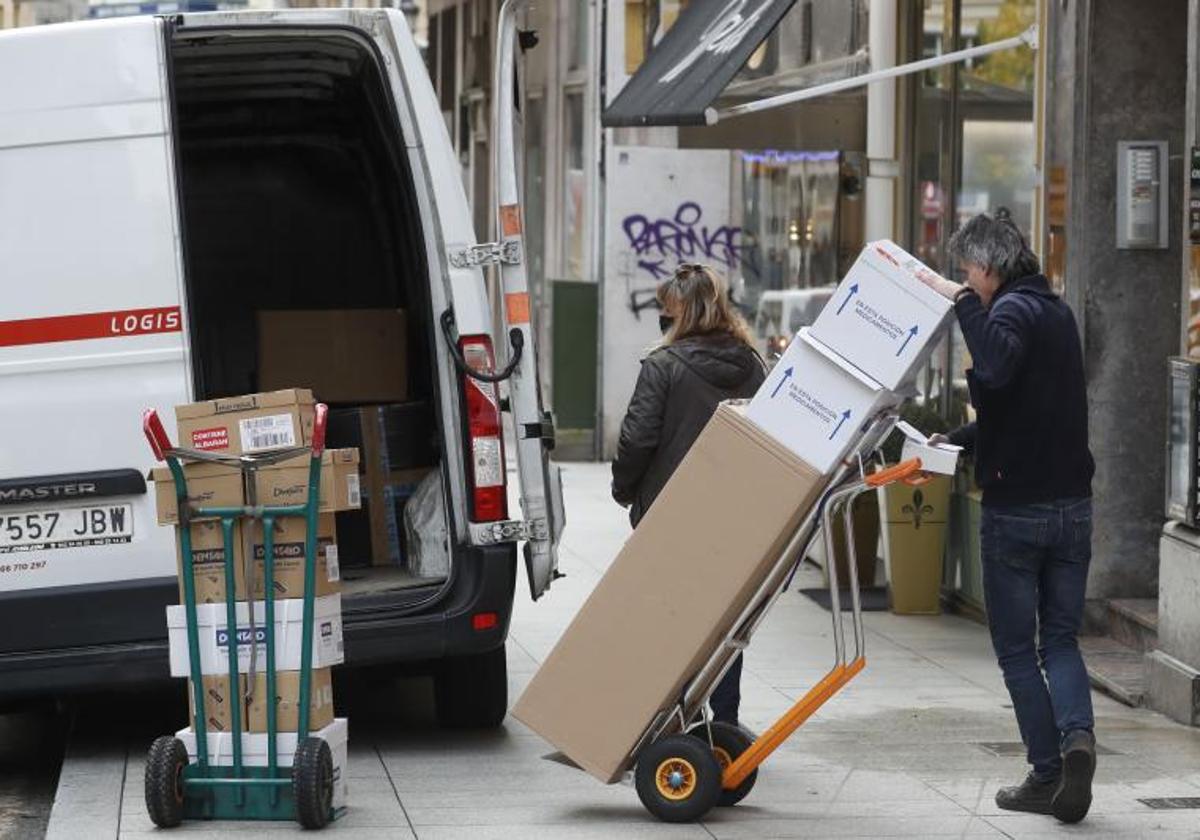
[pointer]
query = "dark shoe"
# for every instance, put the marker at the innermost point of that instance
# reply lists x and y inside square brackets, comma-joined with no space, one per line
[1074,794]
[1031,795]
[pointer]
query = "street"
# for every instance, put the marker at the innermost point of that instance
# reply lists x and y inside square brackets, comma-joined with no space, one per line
[915,746]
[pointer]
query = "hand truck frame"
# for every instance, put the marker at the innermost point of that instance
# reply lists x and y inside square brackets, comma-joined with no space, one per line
[178,790]
[686,764]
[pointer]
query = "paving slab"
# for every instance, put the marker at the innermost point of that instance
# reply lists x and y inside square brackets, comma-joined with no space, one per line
[916,746]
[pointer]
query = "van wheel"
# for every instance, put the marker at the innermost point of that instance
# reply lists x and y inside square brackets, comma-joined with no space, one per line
[471,692]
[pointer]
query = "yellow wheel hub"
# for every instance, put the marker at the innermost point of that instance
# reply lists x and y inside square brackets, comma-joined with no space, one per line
[675,779]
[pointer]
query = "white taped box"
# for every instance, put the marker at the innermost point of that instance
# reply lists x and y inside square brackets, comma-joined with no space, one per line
[254,751]
[883,319]
[814,403]
[328,647]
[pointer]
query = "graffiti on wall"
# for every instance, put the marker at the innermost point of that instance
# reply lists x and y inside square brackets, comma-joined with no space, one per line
[660,244]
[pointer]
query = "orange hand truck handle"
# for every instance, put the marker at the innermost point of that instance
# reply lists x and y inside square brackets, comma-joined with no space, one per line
[900,472]
[155,433]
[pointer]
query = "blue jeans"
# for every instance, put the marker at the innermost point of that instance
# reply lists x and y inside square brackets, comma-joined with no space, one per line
[1035,567]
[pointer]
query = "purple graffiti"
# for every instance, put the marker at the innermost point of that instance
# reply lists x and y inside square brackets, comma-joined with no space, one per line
[682,238]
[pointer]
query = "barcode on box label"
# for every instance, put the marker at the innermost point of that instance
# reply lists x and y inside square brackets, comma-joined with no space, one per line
[353,490]
[274,431]
[333,572]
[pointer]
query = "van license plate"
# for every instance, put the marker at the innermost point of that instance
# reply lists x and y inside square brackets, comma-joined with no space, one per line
[38,530]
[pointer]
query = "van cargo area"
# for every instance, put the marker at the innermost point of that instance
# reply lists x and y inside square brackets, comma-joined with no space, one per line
[306,266]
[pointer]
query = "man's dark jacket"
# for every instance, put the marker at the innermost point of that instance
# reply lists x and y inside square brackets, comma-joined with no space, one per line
[1030,438]
[678,389]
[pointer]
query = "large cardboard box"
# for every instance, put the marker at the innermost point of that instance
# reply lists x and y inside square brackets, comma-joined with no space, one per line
[290,532]
[208,561]
[214,637]
[218,703]
[287,701]
[343,355]
[709,541]
[247,424]
[285,483]
[815,403]
[882,318]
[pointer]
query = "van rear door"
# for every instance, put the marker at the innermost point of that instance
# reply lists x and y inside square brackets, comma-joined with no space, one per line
[91,324]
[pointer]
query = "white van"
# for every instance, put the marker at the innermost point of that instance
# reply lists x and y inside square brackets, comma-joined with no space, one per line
[161,180]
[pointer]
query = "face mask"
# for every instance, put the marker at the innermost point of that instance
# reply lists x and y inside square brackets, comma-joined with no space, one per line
[665,322]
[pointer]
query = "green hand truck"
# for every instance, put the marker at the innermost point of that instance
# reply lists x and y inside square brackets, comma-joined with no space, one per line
[177,789]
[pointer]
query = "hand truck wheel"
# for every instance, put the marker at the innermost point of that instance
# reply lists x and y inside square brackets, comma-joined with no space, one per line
[312,782]
[164,781]
[728,743]
[678,779]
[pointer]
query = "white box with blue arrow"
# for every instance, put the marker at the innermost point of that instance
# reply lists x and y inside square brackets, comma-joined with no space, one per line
[882,318]
[814,402]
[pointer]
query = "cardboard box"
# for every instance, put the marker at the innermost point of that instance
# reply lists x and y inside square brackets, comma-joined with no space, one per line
[815,403]
[208,562]
[343,355]
[402,436]
[290,532]
[287,703]
[254,751]
[712,537]
[327,640]
[286,483]
[218,712]
[247,424]
[882,318]
[939,458]
[208,485]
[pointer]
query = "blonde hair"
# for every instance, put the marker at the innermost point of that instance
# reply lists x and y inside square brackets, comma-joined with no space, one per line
[700,297]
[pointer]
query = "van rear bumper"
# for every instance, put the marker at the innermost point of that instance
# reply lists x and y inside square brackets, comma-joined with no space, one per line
[68,633]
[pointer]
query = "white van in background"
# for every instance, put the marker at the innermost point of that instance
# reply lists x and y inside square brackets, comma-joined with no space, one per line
[162,180]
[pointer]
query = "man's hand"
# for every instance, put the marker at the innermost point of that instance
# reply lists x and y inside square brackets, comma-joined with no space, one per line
[938,439]
[945,288]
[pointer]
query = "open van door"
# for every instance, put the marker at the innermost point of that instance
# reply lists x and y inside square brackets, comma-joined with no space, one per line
[541,484]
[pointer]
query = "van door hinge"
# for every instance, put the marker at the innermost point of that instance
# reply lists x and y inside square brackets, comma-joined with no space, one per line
[487,253]
[509,530]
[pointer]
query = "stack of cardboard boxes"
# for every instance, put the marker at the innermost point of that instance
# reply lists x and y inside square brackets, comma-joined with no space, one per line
[259,423]
[715,533]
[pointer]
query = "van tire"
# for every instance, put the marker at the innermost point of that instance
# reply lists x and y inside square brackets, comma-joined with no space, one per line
[471,692]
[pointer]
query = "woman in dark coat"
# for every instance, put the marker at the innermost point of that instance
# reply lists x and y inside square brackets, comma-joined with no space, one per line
[706,356]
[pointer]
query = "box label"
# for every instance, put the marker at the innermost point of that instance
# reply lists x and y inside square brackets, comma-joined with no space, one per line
[333,571]
[275,431]
[812,404]
[353,490]
[214,438]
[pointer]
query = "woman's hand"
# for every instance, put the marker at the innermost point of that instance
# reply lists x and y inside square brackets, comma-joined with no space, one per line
[945,288]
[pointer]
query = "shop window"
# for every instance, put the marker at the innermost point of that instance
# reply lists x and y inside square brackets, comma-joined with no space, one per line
[574,187]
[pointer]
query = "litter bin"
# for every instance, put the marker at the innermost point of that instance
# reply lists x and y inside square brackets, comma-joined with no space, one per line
[914,540]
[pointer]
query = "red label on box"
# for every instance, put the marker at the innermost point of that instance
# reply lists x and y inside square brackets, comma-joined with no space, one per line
[215,438]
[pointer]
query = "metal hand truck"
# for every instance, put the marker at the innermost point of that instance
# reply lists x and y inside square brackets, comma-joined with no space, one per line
[686,764]
[178,790]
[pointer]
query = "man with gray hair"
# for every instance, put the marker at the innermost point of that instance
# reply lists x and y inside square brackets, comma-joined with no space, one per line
[1030,446]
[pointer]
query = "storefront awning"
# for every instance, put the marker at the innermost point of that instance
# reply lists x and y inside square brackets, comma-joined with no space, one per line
[695,60]
[708,45]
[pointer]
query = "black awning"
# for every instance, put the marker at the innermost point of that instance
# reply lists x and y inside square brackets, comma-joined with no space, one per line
[690,66]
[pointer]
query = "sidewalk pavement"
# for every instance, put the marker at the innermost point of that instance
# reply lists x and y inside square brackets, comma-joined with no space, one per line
[915,746]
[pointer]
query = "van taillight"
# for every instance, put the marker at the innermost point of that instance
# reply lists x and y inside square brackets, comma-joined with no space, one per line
[489,495]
